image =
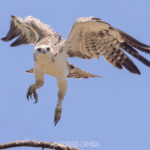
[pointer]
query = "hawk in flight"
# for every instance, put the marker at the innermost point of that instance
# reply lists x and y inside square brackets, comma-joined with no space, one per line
[89,38]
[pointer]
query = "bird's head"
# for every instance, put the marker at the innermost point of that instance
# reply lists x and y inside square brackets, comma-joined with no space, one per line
[42,49]
[45,51]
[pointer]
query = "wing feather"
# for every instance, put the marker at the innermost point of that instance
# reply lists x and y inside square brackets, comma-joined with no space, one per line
[12,33]
[135,53]
[91,37]
[135,43]
[29,30]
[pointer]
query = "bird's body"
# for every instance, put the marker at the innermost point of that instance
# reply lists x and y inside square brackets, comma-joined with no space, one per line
[47,66]
[52,66]
[89,38]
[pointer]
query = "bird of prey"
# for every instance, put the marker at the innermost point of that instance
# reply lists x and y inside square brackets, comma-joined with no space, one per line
[89,38]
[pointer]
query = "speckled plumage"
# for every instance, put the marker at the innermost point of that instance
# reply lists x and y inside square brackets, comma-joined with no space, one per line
[89,38]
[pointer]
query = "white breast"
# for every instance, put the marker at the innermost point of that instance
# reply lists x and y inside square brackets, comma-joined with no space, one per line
[57,68]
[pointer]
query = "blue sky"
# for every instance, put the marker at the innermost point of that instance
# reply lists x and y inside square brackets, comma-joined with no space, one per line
[113,112]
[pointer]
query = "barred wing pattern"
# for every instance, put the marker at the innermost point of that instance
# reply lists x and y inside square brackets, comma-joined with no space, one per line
[91,37]
[29,30]
[75,72]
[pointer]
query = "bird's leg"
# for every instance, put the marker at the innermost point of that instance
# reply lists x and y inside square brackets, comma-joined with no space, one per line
[62,85]
[39,81]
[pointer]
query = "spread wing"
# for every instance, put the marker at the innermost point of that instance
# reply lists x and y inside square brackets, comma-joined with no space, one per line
[91,37]
[28,30]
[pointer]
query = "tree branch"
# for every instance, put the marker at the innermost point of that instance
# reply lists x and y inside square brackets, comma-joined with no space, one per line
[29,143]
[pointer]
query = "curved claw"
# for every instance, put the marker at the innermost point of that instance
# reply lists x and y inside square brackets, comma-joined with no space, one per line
[57,116]
[35,97]
[29,96]
[32,91]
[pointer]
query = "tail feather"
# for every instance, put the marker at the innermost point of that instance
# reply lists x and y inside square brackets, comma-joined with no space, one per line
[74,72]
[78,73]
[30,70]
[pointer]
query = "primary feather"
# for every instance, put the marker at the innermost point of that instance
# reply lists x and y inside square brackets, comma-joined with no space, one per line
[91,37]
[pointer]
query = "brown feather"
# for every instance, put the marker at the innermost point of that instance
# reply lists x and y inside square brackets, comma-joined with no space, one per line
[134,53]
[135,43]
[75,72]
[30,71]
[91,37]
[12,33]
[30,30]
[21,40]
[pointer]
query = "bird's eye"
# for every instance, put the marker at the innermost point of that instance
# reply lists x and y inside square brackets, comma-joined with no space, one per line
[48,49]
[39,49]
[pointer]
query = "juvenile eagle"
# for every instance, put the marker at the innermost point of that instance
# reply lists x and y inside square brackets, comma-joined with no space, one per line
[89,38]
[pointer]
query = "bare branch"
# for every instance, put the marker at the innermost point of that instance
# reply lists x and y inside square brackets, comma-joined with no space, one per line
[49,145]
